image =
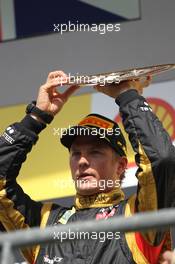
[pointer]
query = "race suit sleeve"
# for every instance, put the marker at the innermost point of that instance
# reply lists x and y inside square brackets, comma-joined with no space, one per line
[154,156]
[17,209]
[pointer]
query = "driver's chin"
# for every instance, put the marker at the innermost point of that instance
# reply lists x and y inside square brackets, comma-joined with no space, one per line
[87,188]
[87,192]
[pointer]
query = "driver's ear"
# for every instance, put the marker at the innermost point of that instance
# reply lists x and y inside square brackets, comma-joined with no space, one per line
[122,165]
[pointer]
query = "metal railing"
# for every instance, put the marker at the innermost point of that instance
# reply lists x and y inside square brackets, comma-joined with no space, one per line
[35,236]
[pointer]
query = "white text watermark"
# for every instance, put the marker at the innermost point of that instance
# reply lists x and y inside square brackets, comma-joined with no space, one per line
[82,27]
[85,131]
[101,236]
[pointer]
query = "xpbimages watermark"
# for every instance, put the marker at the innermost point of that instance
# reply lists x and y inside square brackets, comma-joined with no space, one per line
[83,131]
[81,27]
[78,79]
[101,184]
[101,236]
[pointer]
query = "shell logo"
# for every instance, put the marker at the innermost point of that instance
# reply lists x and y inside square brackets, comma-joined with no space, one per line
[166,114]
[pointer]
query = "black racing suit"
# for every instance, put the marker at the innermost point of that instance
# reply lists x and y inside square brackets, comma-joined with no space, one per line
[155,157]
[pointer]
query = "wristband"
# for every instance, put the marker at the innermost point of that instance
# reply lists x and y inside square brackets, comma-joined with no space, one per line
[44,116]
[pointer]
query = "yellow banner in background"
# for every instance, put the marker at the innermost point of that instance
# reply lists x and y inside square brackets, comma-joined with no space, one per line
[46,174]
